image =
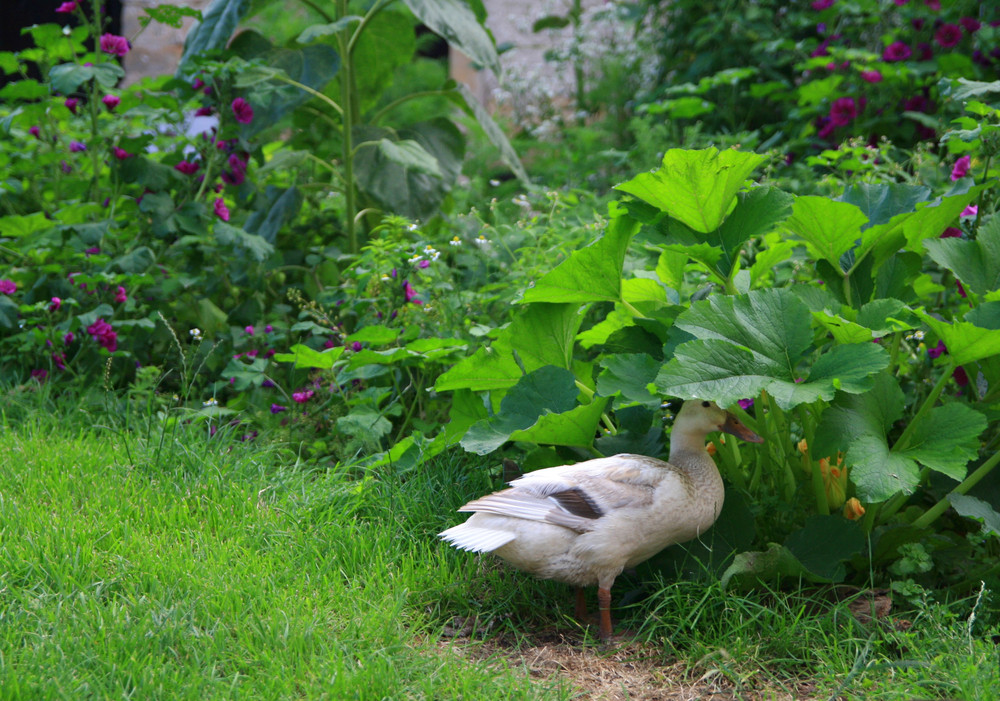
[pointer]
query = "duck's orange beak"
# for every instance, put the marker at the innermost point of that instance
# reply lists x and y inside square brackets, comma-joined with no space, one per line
[735,427]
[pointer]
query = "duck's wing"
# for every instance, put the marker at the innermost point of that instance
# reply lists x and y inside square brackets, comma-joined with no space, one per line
[577,496]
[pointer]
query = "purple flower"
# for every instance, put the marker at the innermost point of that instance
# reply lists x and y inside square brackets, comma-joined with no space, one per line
[267,383]
[971,211]
[918,103]
[187,167]
[71,103]
[356,346]
[937,351]
[203,112]
[114,45]
[40,374]
[896,51]
[971,24]
[822,4]
[424,264]
[198,84]
[268,329]
[7,287]
[35,132]
[93,250]
[111,101]
[102,332]
[951,233]
[961,378]
[120,295]
[303,396]
[65,167]
[60,360]
[277,408]
[220,209]
[900,2]
[961,168]
[948,35]
[120,153]
[68,338]
[745,404]
[76,147]
[248,330]
[55,304]
[410,293]
[933,4]
[843,111]
[66,7]
[242,111]
[871,76]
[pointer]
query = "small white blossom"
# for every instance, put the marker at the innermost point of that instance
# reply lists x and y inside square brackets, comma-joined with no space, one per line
[211,401]
[481,241]
[431,252]
[455,241]
[416,257]
[494,182]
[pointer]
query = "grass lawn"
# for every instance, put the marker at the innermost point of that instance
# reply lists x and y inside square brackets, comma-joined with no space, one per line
[149,563]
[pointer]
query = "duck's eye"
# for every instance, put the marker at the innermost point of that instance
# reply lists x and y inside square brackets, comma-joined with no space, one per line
[706,404]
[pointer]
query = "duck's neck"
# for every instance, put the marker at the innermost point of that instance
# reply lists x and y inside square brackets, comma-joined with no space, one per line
[687,451]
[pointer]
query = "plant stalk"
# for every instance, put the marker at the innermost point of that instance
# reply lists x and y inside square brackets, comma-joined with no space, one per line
[968,483]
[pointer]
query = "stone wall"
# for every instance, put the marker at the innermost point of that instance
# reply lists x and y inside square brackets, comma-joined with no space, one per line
[158,49]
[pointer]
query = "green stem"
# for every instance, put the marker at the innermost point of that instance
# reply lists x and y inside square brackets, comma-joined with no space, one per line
[315,93]
[369,16]
[904,440]
[968,483]
[347,95]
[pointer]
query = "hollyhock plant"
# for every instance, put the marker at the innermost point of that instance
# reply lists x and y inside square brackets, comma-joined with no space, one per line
[111,101]
[71,104]
[187,167]
[971,24]
[961,168]
[35,132]
[102,332]
[242,111]
[843,111]
[76,147]
[114,45]
[951,232]
[220,209]
[120,295]
[66,8]
[948,35]
[54,304]
[7,287]
[871,76]
[896,51]
[303,396]
[822,4]
[120,153]
[277,408]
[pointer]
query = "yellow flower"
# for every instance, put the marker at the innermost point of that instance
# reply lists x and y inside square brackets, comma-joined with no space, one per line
[711,448]
[803,446]
[834,480]
[853,509]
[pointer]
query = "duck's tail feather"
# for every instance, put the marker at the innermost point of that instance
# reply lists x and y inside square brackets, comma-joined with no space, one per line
[475,539]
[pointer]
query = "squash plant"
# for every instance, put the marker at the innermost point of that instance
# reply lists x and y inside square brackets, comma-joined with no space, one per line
[339,73]
[833,326]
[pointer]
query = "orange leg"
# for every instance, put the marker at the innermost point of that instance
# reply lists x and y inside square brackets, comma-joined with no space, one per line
[580,610]
[604,605]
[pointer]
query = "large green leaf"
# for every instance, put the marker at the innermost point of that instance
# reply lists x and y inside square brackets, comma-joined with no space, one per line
[946,440]
[463,97]
[829,228]
[974,508]
[302,356]
[218,23]
[546,390]
[575,428]
[277,208]
[398,180]
[386,42]
[629,374]
[697,188]
[456,22]
[758,342]
[966,342]
[975,263]
[591,274]
[758,211]
[542,334]
[880,202]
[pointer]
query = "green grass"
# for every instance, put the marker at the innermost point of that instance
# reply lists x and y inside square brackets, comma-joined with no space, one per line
[156,562]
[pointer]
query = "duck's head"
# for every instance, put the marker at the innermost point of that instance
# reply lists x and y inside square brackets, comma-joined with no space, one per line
[702,416]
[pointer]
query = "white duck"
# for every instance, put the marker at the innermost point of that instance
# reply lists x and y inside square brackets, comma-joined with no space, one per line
[583,524]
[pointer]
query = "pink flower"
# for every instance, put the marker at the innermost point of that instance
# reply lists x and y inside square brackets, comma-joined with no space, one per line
[871,76]
[951,233]
[410,293]
[198,84]
[937,351]
[114,45]
[268,329]
[248,330]
[961,168]
[76,147]
[187,168]
[66,8]
[745,403]
[303,396]
[933,4]
[71,103]
[60,360]
[948,35]
[120,295]
[35,132]
[424,264]
[896,51]
[900,2]
[971,211]
[971,24]
[843,111]
[203,112]
[242,111]
[221,211]
[7,287]
[822,4]
[111,101]
[120,153]
[102,332]
[55,304]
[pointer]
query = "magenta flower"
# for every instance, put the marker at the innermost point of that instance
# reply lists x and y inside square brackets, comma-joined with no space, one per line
[960,376]
[242,111]
[76,147]
[68,338]
[843,111]
[871,76]
[410,293]
[948,35]
[951,233]
[961,168]
[203,112]
[248,330]
[937,351]
[7,287]
[896,51]
[220,209]
[60,360]
[120,295]
[303,396]
[71,104]
[900,2]
[356,346]
[424,264]
[971,211]
[277,408]
[111,101]
[268,329]
[971,24]
[102,332]
[65,167]
[120,153]
[933,4]
[198,84]
[745,403]
[39,374]
[35,132]
[55,304]
[114,45]
[187,167]
[822,4]
[66,8]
